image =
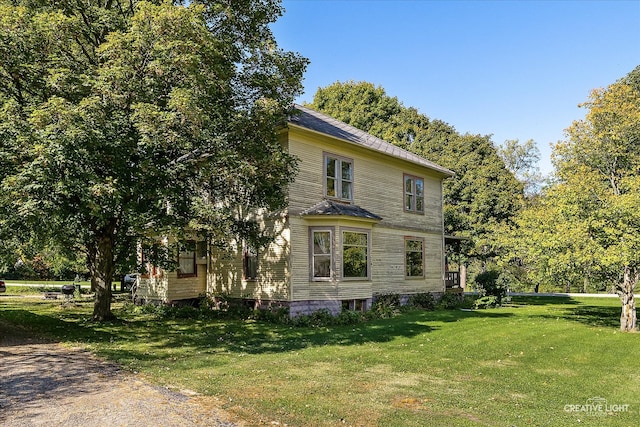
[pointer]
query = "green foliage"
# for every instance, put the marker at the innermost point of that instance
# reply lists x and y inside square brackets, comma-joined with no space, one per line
[385,306]
[487,301]
[583,231]
[423,300]
[121,123]
[482,195]
[494,284]
[450,301]
[475,358]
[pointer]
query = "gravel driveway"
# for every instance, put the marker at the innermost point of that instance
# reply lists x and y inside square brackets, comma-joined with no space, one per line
[45,384]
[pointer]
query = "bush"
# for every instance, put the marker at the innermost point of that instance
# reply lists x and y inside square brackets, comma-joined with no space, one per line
[450,301]
[486,302]
[424,301]
[492,283]
[385,306]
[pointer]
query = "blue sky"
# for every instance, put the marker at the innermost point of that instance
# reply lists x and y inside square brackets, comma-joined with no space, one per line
[513,69]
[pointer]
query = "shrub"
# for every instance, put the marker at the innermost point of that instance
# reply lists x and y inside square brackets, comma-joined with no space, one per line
[385,306]
[492,284]
[424,301]
[489,301]
[450,301]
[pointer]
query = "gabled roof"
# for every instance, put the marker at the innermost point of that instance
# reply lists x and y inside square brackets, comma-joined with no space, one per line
[330,207]
[318,122]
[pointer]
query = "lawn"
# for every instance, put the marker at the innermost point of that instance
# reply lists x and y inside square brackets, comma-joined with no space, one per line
[537,362]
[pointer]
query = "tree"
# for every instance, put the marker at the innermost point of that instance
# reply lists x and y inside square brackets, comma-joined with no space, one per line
[481,196]
[599,164]
[586,225]
[125,120]
[522,160]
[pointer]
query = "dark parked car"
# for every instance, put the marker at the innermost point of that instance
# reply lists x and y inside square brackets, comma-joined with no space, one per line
[3,287]
[128,281]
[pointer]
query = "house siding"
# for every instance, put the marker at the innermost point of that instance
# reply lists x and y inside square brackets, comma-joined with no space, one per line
[284,265]
[272,282]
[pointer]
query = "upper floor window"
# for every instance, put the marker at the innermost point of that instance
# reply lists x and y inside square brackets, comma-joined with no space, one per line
[187,260]
[413,194]
[338,173]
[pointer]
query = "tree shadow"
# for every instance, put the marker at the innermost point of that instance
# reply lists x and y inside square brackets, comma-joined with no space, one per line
[603,316]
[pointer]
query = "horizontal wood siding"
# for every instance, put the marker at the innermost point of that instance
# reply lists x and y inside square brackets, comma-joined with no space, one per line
[378,182]
[379,188]
[225,269]
[187,287]
[153,289]
[389,264]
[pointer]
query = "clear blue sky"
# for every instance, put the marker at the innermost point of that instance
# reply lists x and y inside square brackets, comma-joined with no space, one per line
[513,69]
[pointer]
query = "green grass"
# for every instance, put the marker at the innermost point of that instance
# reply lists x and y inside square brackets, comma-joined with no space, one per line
[514,366]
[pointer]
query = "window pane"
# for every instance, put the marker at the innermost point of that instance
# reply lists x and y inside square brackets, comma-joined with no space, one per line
[414,256]
[331,187]
[186,262]
[321,242]
[419,195]
[414,245]
[419,187]
[354,254]
[250,262]
[408,185]
[408,202]
[331,167]
[322,266]
[354,239]
[355,262]
[347,171]
[346,190]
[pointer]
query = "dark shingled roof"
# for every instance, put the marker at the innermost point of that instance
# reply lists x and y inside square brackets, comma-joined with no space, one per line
[329,207]
[313,120]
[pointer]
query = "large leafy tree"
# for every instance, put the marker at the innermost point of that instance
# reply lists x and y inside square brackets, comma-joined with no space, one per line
[121,120]
[483,194]
[598,168]
[586,225]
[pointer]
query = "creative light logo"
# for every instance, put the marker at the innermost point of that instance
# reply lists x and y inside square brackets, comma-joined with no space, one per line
[596,406]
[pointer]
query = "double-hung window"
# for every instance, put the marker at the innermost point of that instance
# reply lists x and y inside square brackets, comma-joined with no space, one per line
[321,254]
[414,257]
[413,194]
[187,260]
[338,174]
[249,262]
[355,255]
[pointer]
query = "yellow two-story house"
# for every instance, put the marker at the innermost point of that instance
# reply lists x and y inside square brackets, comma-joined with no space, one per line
[364,218]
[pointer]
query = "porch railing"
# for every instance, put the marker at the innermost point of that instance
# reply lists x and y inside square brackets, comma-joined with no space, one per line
[452,281]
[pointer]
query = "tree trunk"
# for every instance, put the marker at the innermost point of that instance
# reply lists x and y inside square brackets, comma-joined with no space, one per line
[628,316]
[101,266]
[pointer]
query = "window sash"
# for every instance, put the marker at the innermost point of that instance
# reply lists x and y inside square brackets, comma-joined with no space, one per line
[414,257]
[338,177]
[321,254]
[413,194]
[355,255]
[187,261]
[249,262]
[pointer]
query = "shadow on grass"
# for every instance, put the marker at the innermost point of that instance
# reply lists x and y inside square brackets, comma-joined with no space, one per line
[543,300]
[139,337]
[591,312]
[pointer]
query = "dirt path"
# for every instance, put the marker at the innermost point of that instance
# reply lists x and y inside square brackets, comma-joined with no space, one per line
[45,384]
